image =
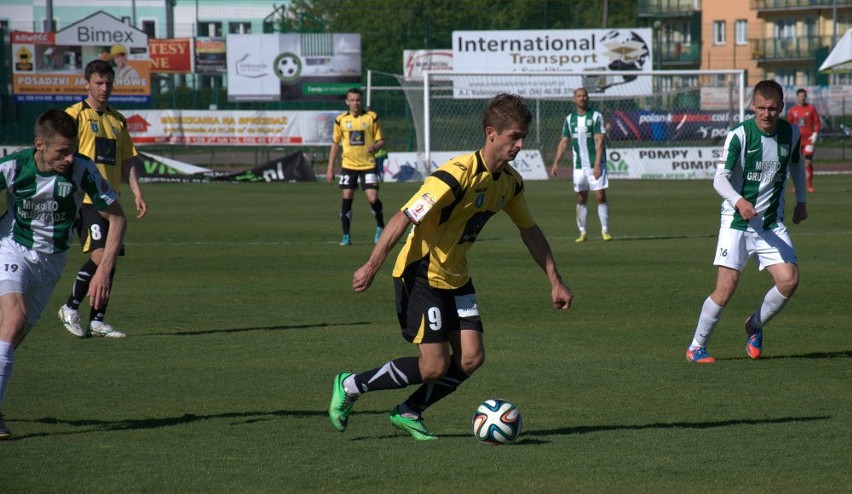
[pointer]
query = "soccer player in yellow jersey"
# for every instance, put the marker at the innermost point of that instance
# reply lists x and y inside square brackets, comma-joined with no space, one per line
[104,139]
[435,298]
[361,136]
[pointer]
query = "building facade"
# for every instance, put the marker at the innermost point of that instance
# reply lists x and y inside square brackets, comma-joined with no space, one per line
[785,40]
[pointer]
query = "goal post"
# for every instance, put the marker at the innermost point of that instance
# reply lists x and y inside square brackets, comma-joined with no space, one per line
[687,110]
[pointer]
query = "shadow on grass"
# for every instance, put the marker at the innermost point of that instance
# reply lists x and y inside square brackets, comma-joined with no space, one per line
[805,356]
[564,431]
[86,426]
[283,327]
[529,437]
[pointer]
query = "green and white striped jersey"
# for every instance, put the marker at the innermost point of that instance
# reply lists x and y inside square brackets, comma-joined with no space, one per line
[758,165]
[41,207]
[582,129]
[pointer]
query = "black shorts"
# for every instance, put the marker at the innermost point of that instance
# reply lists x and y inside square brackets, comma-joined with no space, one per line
[349,179]
[92,229]
[428,315]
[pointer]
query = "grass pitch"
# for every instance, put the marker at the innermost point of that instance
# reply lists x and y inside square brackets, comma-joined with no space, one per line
[238,303]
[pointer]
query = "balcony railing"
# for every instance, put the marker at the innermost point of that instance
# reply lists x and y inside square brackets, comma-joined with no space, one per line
[787,49]
[667,8]
[797,4]
[677,53]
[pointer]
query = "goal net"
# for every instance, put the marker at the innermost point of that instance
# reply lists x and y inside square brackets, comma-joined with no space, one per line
[660,124]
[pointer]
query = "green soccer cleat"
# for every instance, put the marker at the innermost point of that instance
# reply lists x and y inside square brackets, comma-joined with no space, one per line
[415,427]
[341,403]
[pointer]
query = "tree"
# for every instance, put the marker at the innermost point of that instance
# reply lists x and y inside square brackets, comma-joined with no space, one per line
[388,27]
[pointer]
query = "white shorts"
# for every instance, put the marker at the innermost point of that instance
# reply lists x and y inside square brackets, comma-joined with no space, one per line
[734,247]
[30,273]
[584,179]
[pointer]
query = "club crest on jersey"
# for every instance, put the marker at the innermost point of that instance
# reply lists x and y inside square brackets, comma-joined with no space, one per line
[501,202]
[480,199]
[784,151]
[63,189]
[94,126]
[348,125]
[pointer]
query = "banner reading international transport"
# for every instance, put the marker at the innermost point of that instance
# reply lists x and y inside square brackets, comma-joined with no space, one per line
[235,127]
[597,51]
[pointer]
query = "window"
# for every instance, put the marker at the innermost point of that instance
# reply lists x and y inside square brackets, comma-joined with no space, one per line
[786,77]
[810,26]
[785,28]
[211,29]
[718,32]
[150,28]
[239,28]
[741,31]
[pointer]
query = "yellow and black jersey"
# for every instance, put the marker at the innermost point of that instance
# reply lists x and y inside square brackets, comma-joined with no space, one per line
[356,135]
[104,139]
[450,210]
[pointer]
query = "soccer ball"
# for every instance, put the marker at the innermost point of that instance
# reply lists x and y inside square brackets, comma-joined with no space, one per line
[496,421]
[288,66]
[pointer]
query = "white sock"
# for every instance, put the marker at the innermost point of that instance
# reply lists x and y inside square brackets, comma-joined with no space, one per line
[350,387]
[772,304]
[603,214]
[707,321]
[582,215]
[7,358]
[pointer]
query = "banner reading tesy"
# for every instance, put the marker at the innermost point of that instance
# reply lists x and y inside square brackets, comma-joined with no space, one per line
[552,51]
[49,66]
[234,127]
[171,56]
[288,67]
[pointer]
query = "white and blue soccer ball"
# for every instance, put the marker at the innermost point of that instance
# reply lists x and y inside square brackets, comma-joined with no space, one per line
[496,421]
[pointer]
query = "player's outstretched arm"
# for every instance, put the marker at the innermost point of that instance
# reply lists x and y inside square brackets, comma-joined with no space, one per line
[539,249]
[394,230]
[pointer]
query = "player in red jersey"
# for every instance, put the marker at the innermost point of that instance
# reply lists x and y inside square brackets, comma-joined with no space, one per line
[805,116]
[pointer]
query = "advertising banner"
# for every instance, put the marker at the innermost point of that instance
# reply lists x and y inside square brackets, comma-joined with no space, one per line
[49,66]
[292,67]
[663,163]
[415,62]
[156,168]
[294,167]
[552,51]
[231,127]
[683,125]
[403,167]
[171,56]
[210,56]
